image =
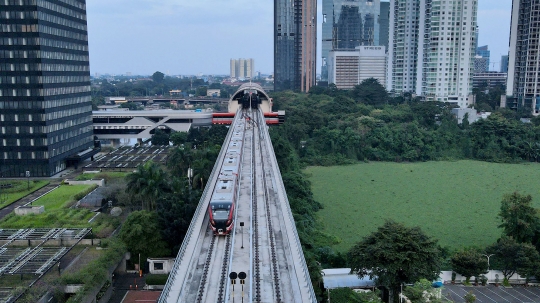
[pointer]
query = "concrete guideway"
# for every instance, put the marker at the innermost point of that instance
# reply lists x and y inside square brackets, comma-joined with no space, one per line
[272,256]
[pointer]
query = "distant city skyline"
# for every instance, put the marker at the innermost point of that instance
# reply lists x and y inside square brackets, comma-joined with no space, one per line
[192,37]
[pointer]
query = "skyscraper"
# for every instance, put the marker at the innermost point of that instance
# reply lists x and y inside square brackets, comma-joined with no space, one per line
[432,49]
[295,44]
[347,24]
[403,48]
[524,56]
[483,51]
[448,49]
[384,24]
[504,64]
[45,99]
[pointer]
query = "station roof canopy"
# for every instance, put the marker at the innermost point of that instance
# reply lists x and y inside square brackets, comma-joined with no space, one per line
[342,277]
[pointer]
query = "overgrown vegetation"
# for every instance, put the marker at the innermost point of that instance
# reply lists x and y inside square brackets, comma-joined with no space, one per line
[330,126]
[456,202]
[96,272]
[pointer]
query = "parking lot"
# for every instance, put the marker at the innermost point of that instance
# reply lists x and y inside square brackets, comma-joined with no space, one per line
[491,294]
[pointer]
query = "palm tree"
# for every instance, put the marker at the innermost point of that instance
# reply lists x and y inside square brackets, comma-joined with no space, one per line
[179,160]
[148,182]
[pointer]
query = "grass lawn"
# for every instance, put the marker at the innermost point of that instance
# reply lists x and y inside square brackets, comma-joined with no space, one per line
[61,196]
[455,202]
[19,190]
[56,214]
[103,175]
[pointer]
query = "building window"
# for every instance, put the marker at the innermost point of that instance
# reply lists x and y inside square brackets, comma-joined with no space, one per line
[158,266]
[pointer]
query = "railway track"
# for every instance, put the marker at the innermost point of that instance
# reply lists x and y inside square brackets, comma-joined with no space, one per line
[266,275]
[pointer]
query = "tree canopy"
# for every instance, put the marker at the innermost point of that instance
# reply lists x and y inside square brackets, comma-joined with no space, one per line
[396,254]
[142,235]
[519,218]
[158,77]
[512,257]
[469,262]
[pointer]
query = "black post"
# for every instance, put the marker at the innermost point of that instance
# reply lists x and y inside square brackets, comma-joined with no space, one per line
[242,225]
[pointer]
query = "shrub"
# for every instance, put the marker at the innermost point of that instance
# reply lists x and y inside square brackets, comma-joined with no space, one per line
[153,279]
[83,194]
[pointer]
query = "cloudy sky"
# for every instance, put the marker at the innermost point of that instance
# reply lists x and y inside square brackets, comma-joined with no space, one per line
[200,36]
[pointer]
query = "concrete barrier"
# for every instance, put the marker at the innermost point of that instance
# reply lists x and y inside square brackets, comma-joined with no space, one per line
[27,210]
[100,182]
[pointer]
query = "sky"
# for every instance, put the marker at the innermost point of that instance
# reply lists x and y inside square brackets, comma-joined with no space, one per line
[187,37]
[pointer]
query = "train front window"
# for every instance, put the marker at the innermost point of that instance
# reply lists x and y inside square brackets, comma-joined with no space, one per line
[220,214]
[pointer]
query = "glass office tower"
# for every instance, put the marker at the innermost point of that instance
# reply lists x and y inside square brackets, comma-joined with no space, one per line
[295,44]
[347,24]
[45,98]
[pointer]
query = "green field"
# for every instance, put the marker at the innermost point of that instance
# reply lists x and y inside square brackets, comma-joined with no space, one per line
[20,189]
[61,196]
[455,202]
[57,214]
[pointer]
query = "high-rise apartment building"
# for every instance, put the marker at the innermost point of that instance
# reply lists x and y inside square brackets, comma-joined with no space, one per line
[242,68]
[45,99]
[448,28]
[522,85]
[432,49]
[295,44]
[234,68]
[403,49]
[347,24]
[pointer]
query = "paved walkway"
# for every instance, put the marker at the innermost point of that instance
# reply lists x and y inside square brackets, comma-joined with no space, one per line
[123,283]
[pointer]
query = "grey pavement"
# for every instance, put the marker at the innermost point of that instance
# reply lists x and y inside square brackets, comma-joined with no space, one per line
[493,294]
[124,282]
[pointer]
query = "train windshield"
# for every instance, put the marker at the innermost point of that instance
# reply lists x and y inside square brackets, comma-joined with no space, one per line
[220,210]
[220,214]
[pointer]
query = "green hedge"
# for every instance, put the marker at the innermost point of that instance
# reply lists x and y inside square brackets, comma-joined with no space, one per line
[153,279]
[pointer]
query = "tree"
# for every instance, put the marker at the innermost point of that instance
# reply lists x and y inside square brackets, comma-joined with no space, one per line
[178,138]
[130,106]
[158,77]
[469,262]
[528,261]
[371,92]
[142,235]
[396,254]
[513,257]
[148,182]
[160,138]
[518,217]
[347,295]
[201,91]
[175,212]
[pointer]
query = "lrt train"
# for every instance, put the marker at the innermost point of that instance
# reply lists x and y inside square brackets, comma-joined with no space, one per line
[224,195]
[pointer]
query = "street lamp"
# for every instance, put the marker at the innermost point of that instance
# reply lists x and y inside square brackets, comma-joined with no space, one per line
[28,178]
[487,256]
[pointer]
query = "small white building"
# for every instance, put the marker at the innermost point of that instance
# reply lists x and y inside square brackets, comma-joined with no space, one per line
[160,265]
[347,68]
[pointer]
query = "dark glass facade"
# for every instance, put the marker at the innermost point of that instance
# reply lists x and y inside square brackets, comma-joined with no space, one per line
[295,41]
[45,99]
[347,24]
